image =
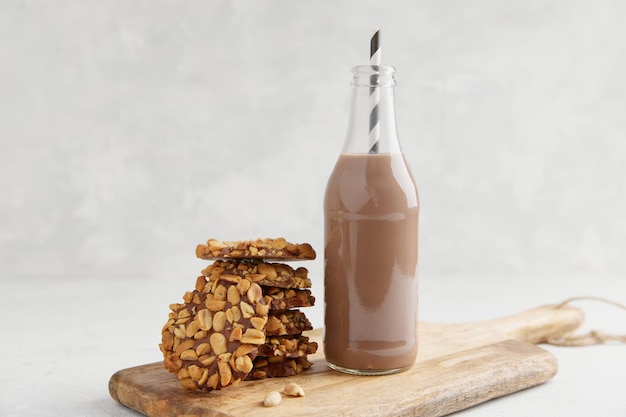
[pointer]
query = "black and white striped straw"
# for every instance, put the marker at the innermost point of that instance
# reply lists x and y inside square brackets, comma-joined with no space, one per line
[374,127]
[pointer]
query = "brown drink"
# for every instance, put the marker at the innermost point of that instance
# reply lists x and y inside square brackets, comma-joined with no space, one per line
[371,264]
[371,212]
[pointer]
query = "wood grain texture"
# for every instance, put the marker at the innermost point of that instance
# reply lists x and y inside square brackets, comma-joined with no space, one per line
[458,365]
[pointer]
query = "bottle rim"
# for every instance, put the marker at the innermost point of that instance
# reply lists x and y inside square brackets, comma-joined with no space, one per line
[373,76]
[374,69]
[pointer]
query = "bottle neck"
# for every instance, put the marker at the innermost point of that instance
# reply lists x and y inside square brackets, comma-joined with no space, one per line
[372,127]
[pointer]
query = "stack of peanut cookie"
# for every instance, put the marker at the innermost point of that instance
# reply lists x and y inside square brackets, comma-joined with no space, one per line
[242,321]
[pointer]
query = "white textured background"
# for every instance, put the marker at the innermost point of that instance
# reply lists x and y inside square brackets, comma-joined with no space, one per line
[132,130]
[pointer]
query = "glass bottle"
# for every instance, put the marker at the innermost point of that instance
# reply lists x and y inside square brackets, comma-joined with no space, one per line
[371,210]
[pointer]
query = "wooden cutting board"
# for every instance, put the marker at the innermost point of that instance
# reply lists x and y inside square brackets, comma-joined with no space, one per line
[458,365]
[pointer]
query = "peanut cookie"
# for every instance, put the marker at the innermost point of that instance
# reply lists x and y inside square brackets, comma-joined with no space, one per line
[264,274]
[286,322]
[267,248]
[283,299]
[278,367]
[289,347]
[211,340]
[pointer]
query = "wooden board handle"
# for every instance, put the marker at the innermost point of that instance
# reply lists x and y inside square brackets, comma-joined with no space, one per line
[539,325]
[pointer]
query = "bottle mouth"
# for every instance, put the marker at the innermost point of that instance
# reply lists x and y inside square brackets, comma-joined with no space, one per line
[373,76]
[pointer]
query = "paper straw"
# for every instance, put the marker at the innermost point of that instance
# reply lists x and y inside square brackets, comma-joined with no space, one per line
[374,126]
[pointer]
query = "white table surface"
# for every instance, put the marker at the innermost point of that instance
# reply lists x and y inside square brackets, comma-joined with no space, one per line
[62,341]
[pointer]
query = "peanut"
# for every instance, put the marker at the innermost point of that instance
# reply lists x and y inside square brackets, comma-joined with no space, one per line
[254,293]
[233,295]
[219,321]
[218,343]
[294,390]
[272,399]
[205,319]
[243,364]
[246,310]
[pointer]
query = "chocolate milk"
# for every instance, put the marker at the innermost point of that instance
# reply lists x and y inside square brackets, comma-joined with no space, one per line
[371,218]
